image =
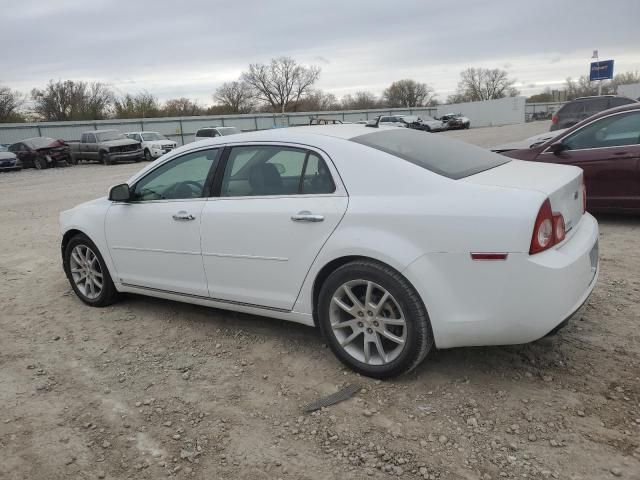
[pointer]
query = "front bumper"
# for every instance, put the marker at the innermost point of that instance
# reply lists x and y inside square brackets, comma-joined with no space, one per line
[518,300]
[123,156]
[158,152]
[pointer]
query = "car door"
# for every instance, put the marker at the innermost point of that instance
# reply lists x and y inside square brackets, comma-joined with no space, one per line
[154,239]
[276,207]
[89,146]
[608,150]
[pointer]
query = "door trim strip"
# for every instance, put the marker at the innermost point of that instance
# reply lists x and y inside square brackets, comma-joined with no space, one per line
[211,299]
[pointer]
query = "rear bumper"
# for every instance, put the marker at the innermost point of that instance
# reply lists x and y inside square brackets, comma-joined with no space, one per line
[518,300]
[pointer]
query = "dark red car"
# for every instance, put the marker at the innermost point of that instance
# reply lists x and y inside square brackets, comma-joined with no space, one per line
[607,147]
[41,152]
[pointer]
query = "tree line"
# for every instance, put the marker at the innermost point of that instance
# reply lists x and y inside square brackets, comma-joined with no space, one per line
[282,85]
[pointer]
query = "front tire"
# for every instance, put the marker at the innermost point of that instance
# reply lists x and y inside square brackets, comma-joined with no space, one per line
[105,158]
[40,163]
[147,155]
[87,272]
[374,320]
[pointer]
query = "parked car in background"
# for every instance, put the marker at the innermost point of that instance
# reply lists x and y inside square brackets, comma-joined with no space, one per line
[154,144]
[577,110]
[210,132]
[41,152]
[607,148]
[425,123]
[106,146]
[306,228]
[531,142]
[455,121]
[8,160]
[325,121]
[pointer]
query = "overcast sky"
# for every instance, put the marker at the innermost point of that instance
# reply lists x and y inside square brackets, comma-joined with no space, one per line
[189,47]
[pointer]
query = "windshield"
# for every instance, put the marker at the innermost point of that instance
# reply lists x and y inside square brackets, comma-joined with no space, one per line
[110,135]
[3,148]
[150,136]
[228,130]
[440,155]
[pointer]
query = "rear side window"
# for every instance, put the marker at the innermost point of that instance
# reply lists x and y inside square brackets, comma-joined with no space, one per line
[619,101]
[596,105]
[437,154]
[572,108]
[207,132]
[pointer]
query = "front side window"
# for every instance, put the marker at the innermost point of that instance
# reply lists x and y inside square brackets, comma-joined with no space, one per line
[613,131]
[181,178]
[269,170]
[205,133]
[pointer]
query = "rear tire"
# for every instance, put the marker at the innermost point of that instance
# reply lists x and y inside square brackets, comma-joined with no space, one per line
[394,322]
[87,273]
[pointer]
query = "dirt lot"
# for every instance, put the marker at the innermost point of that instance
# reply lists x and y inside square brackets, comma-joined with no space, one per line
[149,388]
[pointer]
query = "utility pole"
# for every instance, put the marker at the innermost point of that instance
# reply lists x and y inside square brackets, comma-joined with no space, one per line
[595,55]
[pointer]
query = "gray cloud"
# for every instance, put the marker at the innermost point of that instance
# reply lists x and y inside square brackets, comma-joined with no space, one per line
[188,48]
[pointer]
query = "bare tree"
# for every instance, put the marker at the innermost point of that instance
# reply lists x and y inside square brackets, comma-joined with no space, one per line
[317,100]
[141,105]
[11,102]
[181,107]
[236,96]
[281,83]
[69,100]
[408,93]
[360,101]
[477,84]
[625,78]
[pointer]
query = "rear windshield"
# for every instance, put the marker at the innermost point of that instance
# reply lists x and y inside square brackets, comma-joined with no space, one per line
[441,155]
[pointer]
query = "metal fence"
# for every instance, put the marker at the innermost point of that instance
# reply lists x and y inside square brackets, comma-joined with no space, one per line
[541,111]
[183,129]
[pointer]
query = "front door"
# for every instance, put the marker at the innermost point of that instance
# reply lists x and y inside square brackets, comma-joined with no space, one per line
[154,240]
[608,151]
[276,208]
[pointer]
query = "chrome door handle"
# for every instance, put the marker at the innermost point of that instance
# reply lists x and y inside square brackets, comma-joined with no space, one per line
[182,215]
[306,216]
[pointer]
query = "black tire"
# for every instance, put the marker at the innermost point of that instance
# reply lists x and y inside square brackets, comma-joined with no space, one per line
[467,126]
[105,158]
[40,163]
[74,159]
[109,294]
[419,336]
[427,129]
[147,155]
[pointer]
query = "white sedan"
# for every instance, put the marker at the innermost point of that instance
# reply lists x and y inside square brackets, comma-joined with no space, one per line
[392,241]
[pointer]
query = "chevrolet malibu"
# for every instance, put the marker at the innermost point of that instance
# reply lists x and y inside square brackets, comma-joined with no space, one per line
[393,242]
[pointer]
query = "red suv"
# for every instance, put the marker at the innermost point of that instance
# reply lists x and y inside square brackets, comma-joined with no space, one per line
[607,147]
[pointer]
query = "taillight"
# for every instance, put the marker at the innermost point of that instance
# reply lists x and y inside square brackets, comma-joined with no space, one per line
[558,227]
[554,119]
[548,230]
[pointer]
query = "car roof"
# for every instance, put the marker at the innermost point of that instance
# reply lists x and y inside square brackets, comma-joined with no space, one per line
[102,131]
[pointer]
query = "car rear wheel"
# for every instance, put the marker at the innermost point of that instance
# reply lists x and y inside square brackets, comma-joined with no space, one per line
[87,272]
[374,320]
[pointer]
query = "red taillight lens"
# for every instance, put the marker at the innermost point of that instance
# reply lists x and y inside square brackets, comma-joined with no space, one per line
[558,227]
[543,229]
[554,119]
[548,230]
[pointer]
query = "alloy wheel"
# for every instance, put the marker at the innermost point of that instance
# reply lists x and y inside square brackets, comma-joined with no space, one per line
[86,271]
[368,322]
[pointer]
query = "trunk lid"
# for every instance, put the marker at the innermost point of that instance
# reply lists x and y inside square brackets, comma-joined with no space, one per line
[562,184]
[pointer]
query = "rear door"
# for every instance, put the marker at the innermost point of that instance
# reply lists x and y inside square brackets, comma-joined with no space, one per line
[608,150]
[277,206]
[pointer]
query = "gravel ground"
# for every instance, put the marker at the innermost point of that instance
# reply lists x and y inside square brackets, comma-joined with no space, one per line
[149,388]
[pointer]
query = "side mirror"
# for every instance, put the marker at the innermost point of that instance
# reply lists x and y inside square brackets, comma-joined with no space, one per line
[120,193]
[557,148]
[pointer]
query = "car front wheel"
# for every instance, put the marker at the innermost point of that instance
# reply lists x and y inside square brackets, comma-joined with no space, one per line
[87,272]
[147,155]
[374,320]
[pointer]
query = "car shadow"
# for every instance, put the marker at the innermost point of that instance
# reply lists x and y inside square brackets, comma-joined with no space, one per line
[618,219]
